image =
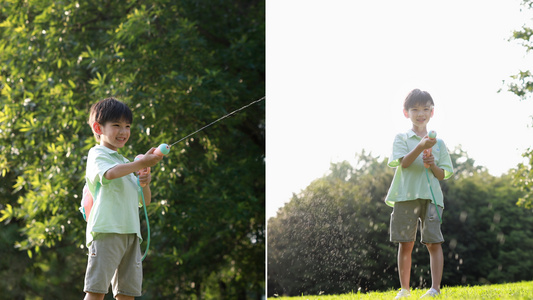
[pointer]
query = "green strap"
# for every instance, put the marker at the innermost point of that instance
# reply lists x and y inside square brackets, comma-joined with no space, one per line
[147,222]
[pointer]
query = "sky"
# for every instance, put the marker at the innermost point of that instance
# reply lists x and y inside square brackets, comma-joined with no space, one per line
[338,72]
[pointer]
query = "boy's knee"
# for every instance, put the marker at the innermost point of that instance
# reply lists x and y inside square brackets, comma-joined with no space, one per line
[93,296]
[407,245]
[433,246]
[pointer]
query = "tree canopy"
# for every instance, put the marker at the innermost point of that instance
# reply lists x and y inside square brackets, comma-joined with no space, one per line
[521,84]
[179,65]
[333,237]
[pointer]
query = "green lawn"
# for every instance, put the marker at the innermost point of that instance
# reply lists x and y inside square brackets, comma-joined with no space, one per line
[520,290]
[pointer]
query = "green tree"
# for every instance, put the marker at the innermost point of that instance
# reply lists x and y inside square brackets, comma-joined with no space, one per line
[178,65]
[521,84]
[486,232]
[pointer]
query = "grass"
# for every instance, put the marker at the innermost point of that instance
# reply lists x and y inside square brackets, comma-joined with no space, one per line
[519,290]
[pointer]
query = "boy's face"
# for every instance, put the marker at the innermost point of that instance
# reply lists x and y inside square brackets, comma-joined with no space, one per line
[420,114]
[114,134]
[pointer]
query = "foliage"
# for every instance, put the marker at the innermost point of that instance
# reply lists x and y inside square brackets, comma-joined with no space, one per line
[521,84]
[179,65]
[326,239]
[520,290]
[333,237]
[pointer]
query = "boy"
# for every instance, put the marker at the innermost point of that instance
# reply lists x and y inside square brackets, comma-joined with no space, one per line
[410,194]
[113,226]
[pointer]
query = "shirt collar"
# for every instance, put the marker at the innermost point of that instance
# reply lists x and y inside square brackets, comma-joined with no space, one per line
[106,150]
[411,134]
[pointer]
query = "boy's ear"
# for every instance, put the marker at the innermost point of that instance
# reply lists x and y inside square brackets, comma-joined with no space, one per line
[405,113]
[97,128]
[432,111]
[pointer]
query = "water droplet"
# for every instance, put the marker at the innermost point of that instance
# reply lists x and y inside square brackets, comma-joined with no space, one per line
[463,216]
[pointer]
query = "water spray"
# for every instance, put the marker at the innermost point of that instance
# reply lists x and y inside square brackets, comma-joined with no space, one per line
[164,149]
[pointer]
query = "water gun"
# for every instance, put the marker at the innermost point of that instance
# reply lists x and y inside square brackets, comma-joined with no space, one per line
[162,150]
[432,135]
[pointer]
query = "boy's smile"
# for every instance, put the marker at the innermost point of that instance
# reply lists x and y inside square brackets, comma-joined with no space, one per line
[419,114]
[115,134]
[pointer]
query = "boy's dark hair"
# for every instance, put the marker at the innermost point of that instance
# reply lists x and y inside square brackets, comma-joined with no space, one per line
[109,110]
[417,97]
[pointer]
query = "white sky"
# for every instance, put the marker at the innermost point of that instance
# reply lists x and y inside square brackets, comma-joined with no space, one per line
[339,70]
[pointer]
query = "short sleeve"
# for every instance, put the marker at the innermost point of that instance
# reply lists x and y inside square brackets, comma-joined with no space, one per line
[98,163]
[445,161]
[399,150]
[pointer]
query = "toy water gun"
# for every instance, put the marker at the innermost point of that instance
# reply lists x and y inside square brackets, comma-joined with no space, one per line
[162,150]
[432,135]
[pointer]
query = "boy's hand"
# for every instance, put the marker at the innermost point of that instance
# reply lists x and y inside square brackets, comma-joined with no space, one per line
[145,177]
[150,159]
[429,160]
[427,143]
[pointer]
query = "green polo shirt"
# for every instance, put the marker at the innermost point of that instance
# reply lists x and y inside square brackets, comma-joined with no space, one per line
[116,205]
[411,183]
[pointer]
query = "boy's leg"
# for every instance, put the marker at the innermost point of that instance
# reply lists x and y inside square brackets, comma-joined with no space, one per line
[433,239]
[404,263]
[104,257]
[94,296]
[436,259]
[127,280]
[124,297]
[403,226]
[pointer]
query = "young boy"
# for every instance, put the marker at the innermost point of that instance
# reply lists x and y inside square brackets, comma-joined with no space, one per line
[113,226]
[410,194]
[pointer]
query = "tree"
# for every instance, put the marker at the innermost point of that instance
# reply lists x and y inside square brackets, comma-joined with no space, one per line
[521,84]
[179,66]
[483,227]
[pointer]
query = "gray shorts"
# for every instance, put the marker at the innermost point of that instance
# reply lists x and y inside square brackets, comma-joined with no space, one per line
[404,221]
[114,258]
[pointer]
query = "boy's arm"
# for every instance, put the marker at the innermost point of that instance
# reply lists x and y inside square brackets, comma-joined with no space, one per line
[121,170]
[438,172]
[410,157]
[147,195]
[145,179]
